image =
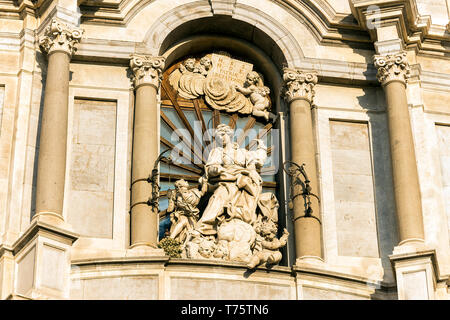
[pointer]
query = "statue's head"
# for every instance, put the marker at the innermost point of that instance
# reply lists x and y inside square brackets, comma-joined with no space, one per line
[254,77]
[189,64]
[224,134]
[206,248]
[181,184]
[268,229]
[206,62]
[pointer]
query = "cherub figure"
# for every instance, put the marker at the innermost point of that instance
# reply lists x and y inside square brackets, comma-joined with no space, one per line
[203,66]
[183,205]
[187,66]
[258,94]
[267,245]
[206,248]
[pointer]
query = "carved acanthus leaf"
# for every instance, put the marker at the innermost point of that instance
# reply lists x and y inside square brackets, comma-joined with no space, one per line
[392,67]
[59,36]
[299,84]
[147,69]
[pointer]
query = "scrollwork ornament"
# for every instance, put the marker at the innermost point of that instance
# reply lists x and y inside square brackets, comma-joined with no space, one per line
[392,68]
[299,84]
[59,36]
[147,70]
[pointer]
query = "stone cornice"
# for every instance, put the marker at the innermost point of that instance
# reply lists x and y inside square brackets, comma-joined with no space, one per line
[39,227]
[393,67]
[299,84]
[60,37]
[147,70]
[413,29]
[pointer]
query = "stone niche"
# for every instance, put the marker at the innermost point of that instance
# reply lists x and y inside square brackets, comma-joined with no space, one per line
[240,221]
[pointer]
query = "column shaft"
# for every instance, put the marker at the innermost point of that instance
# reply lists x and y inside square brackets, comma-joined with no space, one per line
[299,93]
[147,72]
[404,168]
[59,43]
[53,138]
[392,73]
[144,219]
[307,229]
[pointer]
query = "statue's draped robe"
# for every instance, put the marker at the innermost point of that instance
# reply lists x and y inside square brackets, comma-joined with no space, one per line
[236,189]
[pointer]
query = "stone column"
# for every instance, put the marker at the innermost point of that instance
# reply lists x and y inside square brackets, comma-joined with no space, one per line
[147,78]
[299,93]
[59,43]
[392,73]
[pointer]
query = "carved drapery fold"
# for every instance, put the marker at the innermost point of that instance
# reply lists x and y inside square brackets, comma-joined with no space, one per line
[59,36]
[147,70]
[393,67]
[299,84]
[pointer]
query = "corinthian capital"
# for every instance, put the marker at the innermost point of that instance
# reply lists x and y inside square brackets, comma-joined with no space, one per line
[393,67]
[299,84]
[60,37]
[147,70]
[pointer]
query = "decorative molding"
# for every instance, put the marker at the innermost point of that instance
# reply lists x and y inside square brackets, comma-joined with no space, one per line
[392,68]
[414,30]
[299,84]
[224,7]
[147,70]
[59,36]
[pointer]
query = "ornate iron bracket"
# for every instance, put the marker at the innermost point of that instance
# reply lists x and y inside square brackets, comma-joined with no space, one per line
[296,172]
[153,179]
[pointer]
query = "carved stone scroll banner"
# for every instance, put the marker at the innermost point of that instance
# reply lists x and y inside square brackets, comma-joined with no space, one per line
[227,84]
[231,70]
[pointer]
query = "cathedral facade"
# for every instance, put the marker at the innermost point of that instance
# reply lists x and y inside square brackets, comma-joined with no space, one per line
[225,149]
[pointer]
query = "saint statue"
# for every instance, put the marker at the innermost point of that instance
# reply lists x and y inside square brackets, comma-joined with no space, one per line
[231,175]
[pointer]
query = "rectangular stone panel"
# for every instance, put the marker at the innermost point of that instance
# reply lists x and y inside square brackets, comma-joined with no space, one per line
[229,69]
[415,285]
[26,272]
[206,289]
[121,288]
[310,293]
[353,189]
[443,133]
[2,102]
[92,167]
[53,268]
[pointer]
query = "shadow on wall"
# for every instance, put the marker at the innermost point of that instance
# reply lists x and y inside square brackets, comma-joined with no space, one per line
[42,63]
[382,175]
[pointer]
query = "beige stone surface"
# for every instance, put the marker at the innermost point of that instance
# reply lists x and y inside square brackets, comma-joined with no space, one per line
[353,189]
[26,272]
[119,288]
[437,9]
[53,274]
[92,168]
[326,294]
[355,177]
[206,289]
[415,285]
[443,133]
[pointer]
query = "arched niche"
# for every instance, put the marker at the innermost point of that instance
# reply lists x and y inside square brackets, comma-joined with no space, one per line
[237,37]
[207,35]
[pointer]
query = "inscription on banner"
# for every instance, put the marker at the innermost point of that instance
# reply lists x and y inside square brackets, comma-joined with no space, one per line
[229,69]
